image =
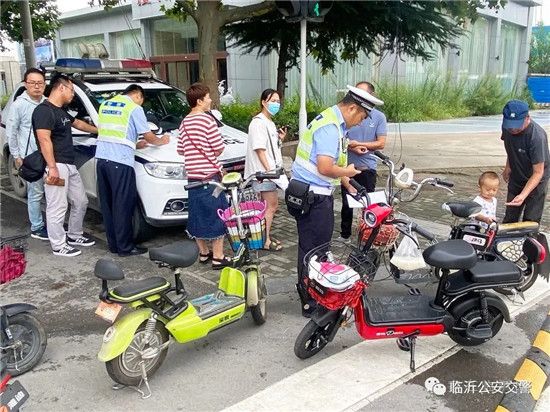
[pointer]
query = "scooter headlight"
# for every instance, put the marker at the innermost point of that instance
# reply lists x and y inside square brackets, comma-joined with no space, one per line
[164,170]
[109,333]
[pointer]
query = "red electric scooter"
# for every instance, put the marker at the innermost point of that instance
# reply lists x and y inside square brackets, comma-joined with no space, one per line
[463,306]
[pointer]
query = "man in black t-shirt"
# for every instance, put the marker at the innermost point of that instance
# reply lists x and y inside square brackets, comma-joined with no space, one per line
[527,163]
[62,184]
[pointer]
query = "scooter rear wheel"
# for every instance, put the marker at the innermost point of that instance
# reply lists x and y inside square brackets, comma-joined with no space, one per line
[312,339]
[469,319]
[126,368]
[30,334]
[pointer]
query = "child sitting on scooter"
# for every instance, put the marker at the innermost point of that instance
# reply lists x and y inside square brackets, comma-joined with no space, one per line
[488,188]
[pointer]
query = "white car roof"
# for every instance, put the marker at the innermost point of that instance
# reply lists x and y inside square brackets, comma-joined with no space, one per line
[121,86]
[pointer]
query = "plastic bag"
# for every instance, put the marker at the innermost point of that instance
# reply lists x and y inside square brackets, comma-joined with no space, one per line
[408,255]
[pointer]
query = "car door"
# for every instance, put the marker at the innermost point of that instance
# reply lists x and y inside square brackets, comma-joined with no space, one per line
[84,143]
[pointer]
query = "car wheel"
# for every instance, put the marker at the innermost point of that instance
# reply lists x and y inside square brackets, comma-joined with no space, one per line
[142,230]
[19,185]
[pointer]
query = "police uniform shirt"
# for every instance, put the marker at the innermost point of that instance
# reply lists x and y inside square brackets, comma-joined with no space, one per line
[325,143]
[122,153]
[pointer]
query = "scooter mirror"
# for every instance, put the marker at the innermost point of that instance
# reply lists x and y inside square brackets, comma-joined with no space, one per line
[404,178]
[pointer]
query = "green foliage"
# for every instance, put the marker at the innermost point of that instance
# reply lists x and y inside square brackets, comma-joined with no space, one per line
[435,99]
[240,114]
[4,100]
[539,59]
[44,14]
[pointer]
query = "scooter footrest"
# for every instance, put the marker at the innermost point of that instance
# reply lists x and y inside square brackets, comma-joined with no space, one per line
[402,310]
[482,331]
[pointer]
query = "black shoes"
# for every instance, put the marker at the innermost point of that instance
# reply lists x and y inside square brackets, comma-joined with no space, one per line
[135,251]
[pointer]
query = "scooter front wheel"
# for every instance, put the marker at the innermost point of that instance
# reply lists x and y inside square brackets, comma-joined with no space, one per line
[30,340]
[312,339]
[258,311]
[126,368]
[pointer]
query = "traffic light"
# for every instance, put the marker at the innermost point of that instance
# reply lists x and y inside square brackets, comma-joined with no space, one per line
[310,10]
[316,10]
[290,9]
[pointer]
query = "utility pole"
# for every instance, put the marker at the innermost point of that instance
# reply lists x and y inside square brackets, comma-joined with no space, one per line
[28,37]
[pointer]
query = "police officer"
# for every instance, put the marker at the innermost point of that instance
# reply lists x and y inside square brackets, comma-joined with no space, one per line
[121,121]
[321,162]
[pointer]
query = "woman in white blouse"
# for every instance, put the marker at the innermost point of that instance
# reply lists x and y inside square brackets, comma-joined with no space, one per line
[263,154]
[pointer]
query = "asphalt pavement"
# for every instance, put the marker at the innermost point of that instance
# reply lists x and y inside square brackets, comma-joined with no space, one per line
[246,367]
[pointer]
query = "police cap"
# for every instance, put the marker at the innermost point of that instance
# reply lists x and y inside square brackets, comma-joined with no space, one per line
[363,98]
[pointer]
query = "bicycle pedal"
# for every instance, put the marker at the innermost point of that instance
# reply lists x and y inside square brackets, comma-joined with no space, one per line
[414,292]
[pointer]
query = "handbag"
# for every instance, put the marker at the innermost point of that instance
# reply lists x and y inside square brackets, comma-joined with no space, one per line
[34,165]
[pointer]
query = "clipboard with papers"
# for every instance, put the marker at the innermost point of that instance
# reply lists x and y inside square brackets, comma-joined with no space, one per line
[374,197]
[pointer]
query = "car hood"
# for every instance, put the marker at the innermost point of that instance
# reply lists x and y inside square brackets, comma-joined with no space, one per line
[235,147]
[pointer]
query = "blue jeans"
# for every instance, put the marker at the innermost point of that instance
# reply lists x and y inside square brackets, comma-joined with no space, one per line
[35,193]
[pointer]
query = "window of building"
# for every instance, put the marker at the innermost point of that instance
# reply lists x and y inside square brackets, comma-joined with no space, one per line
[125,44]
[509,53]
[70,46]
[474,50]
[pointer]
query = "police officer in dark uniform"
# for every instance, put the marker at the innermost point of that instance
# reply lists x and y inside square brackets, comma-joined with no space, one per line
[321,164]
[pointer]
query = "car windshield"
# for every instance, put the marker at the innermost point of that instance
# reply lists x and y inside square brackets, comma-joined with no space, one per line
[163,107]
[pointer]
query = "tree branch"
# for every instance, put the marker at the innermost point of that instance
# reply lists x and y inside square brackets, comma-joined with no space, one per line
[230,15]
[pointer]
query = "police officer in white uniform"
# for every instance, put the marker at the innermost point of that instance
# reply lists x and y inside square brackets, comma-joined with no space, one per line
[321,163]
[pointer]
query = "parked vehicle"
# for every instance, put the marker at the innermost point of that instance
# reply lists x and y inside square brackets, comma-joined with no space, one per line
[22,337]
[463,306]
[498,242]
[136,345]
[160,171]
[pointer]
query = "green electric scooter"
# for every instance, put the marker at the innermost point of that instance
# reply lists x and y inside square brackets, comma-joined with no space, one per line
[136,344]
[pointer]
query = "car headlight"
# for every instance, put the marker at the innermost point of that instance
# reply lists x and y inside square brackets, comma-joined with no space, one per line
[166,170]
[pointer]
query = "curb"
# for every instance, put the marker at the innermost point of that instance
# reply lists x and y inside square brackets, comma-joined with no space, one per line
[535,370]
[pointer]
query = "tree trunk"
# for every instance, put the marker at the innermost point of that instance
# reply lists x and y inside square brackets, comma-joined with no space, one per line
[281,67]
[209,24]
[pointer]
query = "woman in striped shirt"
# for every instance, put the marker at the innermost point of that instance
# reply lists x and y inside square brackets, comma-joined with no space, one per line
[201,143]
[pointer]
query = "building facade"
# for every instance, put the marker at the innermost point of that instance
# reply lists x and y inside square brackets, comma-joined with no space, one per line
[496,44]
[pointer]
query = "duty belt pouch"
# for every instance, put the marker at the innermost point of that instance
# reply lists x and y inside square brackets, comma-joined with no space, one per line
[298,198]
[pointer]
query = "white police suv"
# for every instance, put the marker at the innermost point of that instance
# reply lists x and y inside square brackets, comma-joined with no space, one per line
[160,171]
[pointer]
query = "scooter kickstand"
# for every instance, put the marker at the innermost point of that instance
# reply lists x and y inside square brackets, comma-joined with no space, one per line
[118,386]
[412,341]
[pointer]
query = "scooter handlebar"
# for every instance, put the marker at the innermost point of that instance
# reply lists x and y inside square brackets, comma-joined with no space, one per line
[194,185]
[444,183]
[423,232]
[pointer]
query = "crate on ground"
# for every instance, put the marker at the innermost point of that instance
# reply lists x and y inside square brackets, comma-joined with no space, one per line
[253,219]
[12,257]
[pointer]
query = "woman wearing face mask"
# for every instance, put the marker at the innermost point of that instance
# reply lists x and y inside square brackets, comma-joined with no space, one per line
[263,154]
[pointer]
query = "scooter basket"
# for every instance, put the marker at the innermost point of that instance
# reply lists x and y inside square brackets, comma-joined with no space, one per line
[12,257]
[387,235]
[253,219]
[337,274]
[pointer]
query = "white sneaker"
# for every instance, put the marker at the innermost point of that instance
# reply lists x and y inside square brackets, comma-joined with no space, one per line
[80,241]
[344,239]
[68,251]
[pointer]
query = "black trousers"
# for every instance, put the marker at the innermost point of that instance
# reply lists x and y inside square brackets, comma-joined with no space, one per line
[314,229]
[366,178]
[116,184]
[532,208]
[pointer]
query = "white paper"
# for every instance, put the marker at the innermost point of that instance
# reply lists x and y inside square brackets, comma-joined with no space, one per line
[374,197]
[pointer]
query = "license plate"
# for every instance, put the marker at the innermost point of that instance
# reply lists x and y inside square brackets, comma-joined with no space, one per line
[108,311]
[13,397]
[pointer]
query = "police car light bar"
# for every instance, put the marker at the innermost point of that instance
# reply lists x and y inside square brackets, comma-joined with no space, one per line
[74,65]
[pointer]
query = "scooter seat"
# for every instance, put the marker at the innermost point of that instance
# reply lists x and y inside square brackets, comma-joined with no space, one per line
[451,254]
[107,269]
[462,209]
[178,255]
[495,272]
[519,228]
[140,289]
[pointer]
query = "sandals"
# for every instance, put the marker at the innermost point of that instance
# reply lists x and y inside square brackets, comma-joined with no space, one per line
[273,247]
[205,258]
[221,263]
